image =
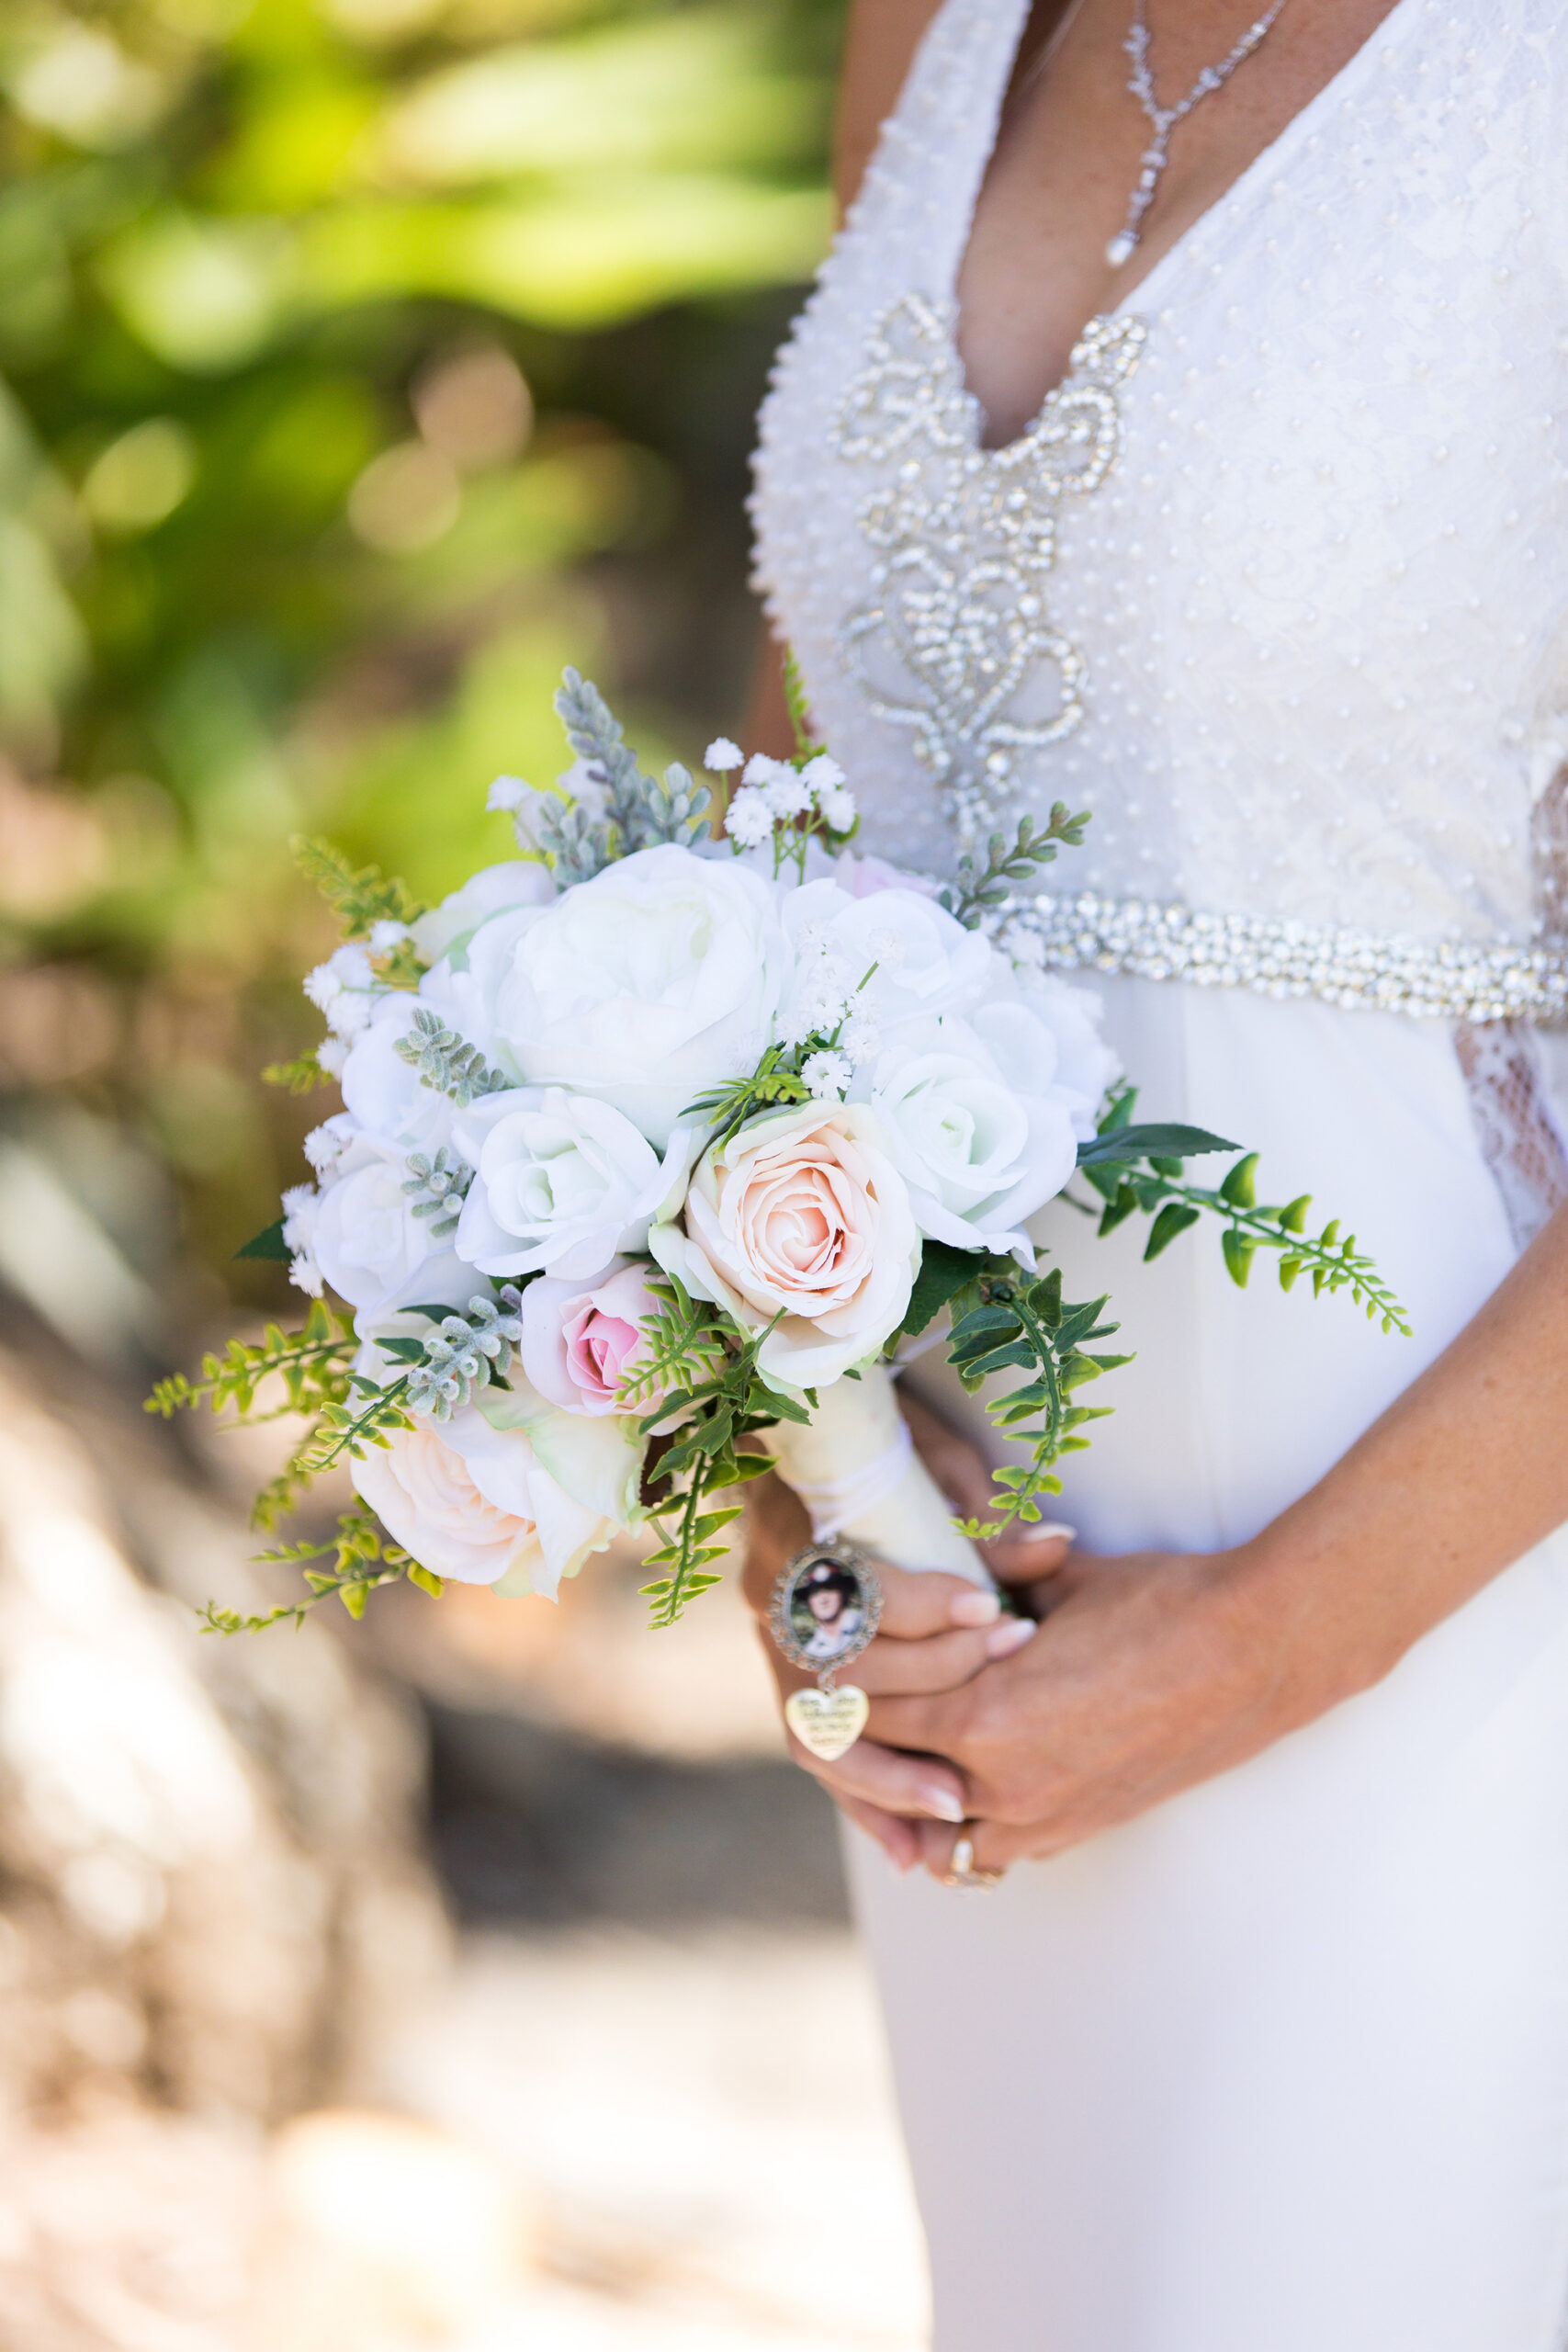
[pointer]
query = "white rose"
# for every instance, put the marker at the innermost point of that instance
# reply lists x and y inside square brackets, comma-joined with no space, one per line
[384,1095]
[517,882]
[1086,1067]
[921,962]
[562,1183]
[801,1216]
[646,987]
[441,1279]
[514,1507]
[366,1237]
[980,1146]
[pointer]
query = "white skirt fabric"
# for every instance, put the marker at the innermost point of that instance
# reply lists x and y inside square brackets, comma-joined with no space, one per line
[1283,2065]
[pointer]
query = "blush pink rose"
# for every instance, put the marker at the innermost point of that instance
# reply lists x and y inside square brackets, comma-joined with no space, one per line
[477,1505]
[803,1217]
[580,1338]
[863,877]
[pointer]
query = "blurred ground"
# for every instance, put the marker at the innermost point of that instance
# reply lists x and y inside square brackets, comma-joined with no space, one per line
[587,2125]
[593,2143]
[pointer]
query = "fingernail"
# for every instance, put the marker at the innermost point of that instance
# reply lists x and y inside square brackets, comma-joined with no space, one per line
[1011,1636]
[943,1803]
[1045,1530]
[976,1608]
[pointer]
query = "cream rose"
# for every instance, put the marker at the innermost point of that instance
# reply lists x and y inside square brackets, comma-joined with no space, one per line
[804,1217]
[517,1506]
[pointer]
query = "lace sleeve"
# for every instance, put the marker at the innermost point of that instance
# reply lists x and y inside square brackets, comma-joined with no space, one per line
[1504,1069]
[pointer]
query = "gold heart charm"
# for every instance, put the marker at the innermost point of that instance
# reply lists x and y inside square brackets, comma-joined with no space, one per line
[827,1722]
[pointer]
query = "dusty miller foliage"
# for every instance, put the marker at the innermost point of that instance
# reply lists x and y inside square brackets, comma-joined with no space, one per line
[437,1185]
[448,1063]
[639,811]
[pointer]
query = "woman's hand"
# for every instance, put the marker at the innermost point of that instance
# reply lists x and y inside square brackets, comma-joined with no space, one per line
[937,1632]
[1149,1673]
[1158,1670]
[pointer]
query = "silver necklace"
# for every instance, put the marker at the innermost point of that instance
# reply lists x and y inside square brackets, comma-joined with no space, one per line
[1164,120]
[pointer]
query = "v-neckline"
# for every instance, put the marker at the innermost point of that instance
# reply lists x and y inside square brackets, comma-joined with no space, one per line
[1137,301]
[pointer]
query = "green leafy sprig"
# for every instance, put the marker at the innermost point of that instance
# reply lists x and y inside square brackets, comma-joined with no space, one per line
[806,745]
[1004,1320]
[360,897]
[312,1363]
[362,1559]
[718,1397]
[300,1076]
[349,1413]
[685,1341]
[1009,866]
[1141,1169]
[369,1414]
[776,1080]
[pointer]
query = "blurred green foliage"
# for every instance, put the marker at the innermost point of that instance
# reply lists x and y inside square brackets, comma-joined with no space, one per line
[361,363]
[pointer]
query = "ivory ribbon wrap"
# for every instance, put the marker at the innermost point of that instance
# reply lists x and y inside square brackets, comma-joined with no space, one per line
[858,1475]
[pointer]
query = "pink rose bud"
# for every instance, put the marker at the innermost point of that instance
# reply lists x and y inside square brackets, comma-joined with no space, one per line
[580,1338]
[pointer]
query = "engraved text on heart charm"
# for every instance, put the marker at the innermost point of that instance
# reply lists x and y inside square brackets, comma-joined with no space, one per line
[827,1722]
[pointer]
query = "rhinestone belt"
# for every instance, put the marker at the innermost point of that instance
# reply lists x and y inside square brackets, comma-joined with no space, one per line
[1362,970]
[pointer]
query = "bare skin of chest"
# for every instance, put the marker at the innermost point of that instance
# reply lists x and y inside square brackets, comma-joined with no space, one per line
[1069,152]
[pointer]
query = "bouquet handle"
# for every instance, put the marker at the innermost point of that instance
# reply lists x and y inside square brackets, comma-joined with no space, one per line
[856,1471]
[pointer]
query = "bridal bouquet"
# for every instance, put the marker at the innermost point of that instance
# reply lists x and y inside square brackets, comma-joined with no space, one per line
[658,1145]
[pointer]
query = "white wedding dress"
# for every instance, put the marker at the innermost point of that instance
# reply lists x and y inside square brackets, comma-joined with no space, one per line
[1277,587]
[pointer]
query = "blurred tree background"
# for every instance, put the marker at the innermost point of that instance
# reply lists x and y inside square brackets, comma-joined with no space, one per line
[361,362]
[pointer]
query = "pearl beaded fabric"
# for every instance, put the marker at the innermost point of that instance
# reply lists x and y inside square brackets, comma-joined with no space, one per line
[1371,971]
[954,639]
[1306,633]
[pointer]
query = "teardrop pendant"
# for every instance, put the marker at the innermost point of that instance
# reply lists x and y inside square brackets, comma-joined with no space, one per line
[1121,248]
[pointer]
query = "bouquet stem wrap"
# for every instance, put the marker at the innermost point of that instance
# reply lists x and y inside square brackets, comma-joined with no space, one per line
[858,1475]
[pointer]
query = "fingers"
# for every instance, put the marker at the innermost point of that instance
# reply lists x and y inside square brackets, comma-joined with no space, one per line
[920,1786]
[917,1603]
[893,1668]
[899,1839]
[931,1723]
[1026,1553]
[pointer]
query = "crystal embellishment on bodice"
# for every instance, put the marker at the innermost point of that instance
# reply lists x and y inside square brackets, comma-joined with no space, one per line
[954,639]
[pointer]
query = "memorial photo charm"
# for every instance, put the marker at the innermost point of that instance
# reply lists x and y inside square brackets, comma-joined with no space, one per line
[826,1609]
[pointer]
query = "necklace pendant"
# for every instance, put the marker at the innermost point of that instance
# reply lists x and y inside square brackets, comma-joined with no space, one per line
[1121,248]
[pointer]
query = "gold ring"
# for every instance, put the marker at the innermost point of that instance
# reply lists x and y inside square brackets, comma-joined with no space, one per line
[961,1869]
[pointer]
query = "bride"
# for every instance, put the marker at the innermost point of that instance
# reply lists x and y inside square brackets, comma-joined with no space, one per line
[1180,430]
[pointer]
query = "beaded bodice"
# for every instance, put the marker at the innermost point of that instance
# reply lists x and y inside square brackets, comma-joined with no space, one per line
[1276,585]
